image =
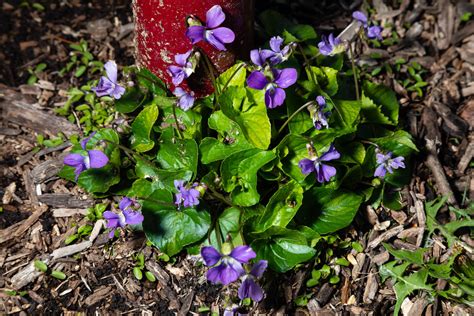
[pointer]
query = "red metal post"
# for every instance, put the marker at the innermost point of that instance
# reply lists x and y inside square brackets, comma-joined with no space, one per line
[160,27]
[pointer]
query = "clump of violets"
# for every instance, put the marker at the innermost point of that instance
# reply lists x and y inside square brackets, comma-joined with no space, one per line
[128,215]
[318,113]
[330,45]
[211,32]
[186,64]
[249,288]
[108,84]
[91,159]
[316,164]
[185,99]
[374,31]
[385,163]
[277,54]
[273,82]
[188,195]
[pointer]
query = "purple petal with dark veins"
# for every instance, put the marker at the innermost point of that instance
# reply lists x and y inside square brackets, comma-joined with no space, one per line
[259,268]
[195,33]
[133,217]
[325,173]
[105,87]
[257,80]
[306,165]
[274,97]
[250,289]
[73,160]
[210,255]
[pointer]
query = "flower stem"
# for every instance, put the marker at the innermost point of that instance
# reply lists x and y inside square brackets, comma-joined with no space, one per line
[306,64]
[354,72]
[293,115]
[209,68]
[232,76]
[177,122]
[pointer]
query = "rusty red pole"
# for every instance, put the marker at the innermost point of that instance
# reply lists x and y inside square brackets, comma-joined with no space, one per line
[160,27]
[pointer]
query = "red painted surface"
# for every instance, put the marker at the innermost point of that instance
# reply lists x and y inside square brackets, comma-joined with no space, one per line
[160,27]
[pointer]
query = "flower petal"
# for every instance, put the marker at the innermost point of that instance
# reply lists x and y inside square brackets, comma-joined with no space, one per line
[178,184]
[210,255]
[307,166]
[214,16]
[195,33]
[331,154]
[111,70]
[250,289]
[219,36]
[374,32]
[243,254]
[397,163]
[125,203]
[321,101]
[259,268]
[133,217]
[73,160]
[275,43]
[285,77]
[259,56]
[177,74]
[359,16]
[186,101]
[325,173]
[223,274]
[257,80]
[274,97]
[97,159]
[182,59]
[118,92]
[179,92]
[104,87]
[380,171]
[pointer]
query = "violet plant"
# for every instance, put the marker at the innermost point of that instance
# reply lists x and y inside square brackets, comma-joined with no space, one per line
[286,150]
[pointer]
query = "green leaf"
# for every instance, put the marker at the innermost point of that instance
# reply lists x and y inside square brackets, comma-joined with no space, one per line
[385,101]
[229,225]
[141,129]
[239,175]
[326,210]
[150,276]
[299,33]
[399,142]
[282,207]
[301,122]
[346,114]
[168,229]
[247,108]
[130,101]
[58,275]
[405,286]
[137,272]
[231,139]
[234,76]
[41,266]
[412,256]
[326,78]
[151,82]
[178,154]
[353,152]
[283,251]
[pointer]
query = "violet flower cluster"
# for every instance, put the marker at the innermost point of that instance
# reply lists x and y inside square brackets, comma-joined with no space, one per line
[374,31]
[271,79]
[316,164]
[319,115]
[91,159]
[188,195]
[386,164]
[128,215]
[108,84]
[226,269]
[186,63]
[330,45]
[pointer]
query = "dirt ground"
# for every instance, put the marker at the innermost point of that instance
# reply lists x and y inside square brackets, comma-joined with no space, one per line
[40,211]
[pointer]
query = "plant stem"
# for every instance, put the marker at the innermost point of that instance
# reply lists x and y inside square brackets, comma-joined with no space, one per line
[208,66]
[306,64]
[354,72]
[177,122]
[232,76]
[293,115]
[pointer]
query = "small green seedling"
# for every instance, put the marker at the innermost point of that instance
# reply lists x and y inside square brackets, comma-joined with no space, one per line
[43,267]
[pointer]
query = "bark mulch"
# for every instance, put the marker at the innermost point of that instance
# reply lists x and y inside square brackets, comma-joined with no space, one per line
[40,211]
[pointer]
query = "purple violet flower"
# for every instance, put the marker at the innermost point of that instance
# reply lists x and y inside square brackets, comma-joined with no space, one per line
[324,172]
[128,215]
[277,54]
[319,116]
[259,56]
[184,69]
[371,31]
[226,268]
[185,99]
[330,45]
[187,195]
[108,84]
[93,160]
[387,164]
[249,288]
[273,84]
[211,33]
